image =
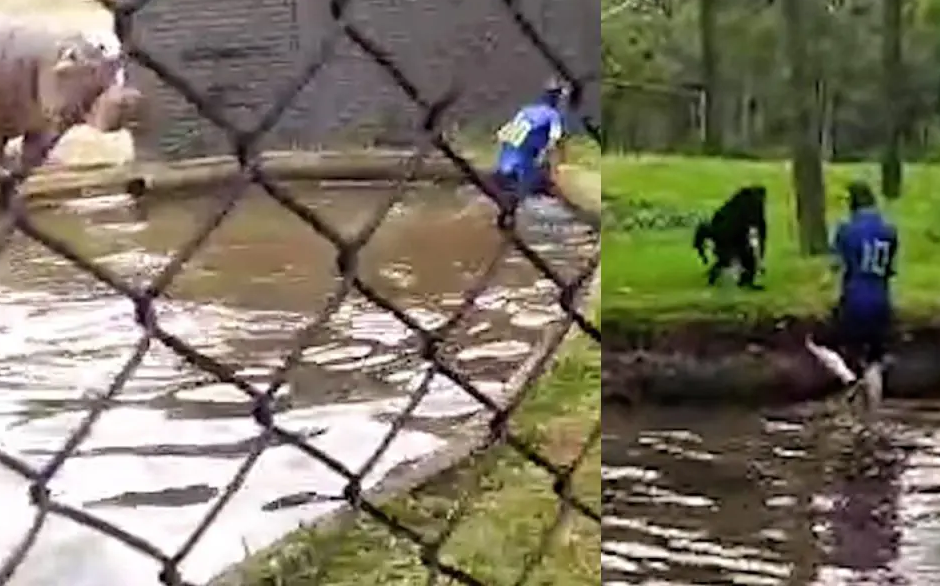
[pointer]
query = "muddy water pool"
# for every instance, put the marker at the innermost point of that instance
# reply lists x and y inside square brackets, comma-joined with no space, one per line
[173,439]
[800,497]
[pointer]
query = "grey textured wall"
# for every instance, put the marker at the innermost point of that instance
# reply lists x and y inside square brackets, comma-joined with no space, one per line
[245,51]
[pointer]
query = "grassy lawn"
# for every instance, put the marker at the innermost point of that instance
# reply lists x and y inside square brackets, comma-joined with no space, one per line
[654,275]
[509,504]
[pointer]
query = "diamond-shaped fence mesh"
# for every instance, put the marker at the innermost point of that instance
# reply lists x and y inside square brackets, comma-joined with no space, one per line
[17,218]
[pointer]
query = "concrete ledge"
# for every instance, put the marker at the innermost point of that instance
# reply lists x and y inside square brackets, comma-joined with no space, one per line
[54,183]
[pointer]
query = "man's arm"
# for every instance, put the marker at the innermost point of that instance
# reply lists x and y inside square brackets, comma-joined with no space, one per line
[837,248]
[893,253]
[556,151]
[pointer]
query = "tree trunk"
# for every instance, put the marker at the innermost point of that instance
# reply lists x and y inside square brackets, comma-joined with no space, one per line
[747,115]
[826,125]
[806,152]
[708,23]
[894,96]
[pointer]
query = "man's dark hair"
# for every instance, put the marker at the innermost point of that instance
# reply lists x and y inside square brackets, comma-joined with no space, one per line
[554,90]
[860,196]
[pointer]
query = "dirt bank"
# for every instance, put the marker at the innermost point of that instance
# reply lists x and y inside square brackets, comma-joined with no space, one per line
[754,363]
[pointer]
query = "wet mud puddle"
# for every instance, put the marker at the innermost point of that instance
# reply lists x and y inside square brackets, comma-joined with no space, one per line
[793,498]
[171,442]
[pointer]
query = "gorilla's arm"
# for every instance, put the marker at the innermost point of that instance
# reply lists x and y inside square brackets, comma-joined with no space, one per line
[760,225]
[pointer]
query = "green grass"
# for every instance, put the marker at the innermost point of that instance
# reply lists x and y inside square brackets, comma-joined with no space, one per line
[509,504]
[655,275]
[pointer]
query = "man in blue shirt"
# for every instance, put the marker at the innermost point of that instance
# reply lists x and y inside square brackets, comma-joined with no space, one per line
[528,144]
[866,247]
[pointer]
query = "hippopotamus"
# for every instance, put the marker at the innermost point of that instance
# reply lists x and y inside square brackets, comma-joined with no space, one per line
[51,81]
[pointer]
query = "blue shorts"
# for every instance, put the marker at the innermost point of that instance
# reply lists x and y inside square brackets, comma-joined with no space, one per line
[863,329]
[520,184]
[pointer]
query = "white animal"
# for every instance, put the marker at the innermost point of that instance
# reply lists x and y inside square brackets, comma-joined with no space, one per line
[53,81]
[870,385]
[832,362]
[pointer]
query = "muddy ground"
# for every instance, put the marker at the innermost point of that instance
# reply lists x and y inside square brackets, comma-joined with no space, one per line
[753,363]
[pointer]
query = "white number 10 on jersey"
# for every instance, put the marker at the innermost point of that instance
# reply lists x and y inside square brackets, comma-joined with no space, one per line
[514,132]
[876,254]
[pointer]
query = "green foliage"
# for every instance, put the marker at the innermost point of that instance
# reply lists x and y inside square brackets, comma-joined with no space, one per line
[638,215]
[652,71]
[655,274]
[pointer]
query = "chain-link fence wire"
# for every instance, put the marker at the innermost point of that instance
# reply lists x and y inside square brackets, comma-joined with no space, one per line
[16,218]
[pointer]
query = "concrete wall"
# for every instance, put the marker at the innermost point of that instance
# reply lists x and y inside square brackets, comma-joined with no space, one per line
[244,52]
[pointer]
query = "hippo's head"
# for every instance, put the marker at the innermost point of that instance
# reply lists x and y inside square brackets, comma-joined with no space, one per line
[86,85]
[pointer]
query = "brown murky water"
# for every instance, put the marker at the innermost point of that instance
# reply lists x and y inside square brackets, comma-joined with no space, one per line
[157,459]
[798,497]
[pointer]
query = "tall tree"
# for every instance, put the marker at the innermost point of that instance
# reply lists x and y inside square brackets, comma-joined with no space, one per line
[658,43]
[895,98]
[708,24]
[805,133]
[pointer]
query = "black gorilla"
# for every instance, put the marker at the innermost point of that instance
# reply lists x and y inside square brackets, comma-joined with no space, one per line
[730,233]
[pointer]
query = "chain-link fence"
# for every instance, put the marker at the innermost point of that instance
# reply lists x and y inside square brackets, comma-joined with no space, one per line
[17,218]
